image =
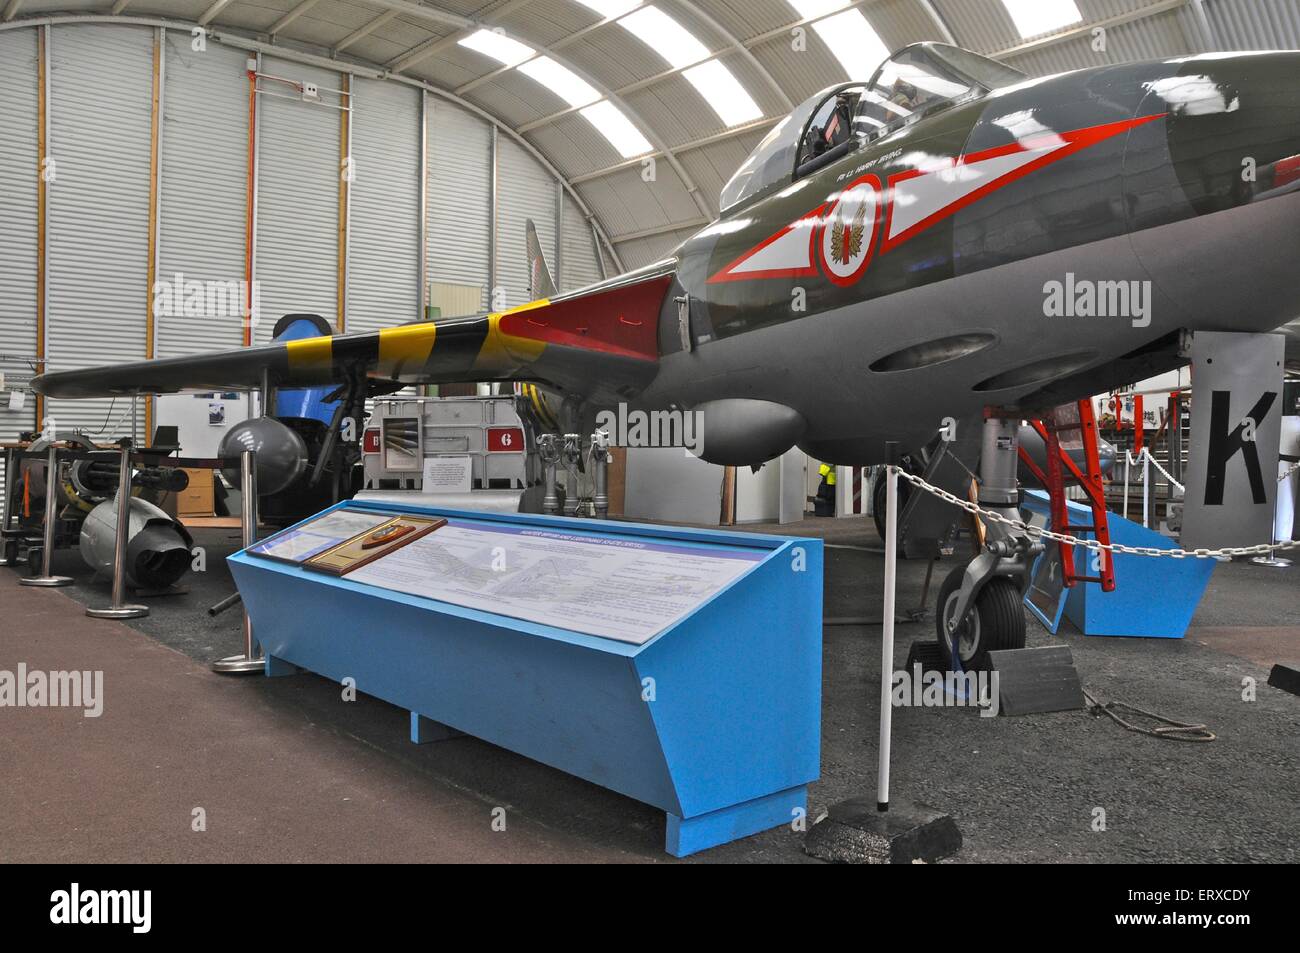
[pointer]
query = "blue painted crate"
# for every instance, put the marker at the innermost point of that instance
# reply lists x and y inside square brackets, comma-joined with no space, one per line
[1154,597]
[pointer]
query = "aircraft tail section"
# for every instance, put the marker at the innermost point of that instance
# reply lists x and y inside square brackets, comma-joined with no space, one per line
[540,282]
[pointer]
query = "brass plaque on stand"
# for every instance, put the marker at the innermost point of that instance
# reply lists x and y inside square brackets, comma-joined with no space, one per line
[367,547]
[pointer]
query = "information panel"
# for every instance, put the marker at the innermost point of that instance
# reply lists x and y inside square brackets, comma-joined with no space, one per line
[618,588]
[301,543]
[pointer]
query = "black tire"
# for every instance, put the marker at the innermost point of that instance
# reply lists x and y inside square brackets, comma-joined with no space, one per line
[878,503]
[1000,622]
[35,556]
[11,551]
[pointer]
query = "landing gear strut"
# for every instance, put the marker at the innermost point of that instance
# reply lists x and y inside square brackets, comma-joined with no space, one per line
[979,607]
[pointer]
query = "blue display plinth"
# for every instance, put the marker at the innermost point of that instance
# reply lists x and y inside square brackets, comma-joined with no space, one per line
[715,720]
[1154,597]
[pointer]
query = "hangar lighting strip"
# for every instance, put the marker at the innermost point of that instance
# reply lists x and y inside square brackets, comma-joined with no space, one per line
[682,50]
[848,36]
[498,46]
[608,119]
[1036,17]
[610,9]
[561,80]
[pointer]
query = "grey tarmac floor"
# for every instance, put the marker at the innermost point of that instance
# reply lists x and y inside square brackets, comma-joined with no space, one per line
[288,771]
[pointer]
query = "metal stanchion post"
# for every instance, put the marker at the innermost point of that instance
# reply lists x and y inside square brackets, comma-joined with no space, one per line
[887,640]
[1148,489]
[1128,463]
[119,609]
[45,579]
[6,508]
[249,662]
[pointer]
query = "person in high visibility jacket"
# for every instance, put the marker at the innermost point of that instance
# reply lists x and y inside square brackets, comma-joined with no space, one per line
[824,504]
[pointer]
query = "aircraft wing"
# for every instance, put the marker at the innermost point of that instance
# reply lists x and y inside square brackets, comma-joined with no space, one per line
[600,342]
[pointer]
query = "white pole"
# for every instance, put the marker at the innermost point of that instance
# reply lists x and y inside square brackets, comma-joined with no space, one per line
[1128,463]
[887,639]
[1146,488]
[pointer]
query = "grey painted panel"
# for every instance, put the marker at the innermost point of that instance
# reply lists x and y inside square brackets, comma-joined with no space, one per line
[1232,485]
[204,184]
[100,117]
[384,239]
[18,176]
[299,171]
[526,191]
[459,195]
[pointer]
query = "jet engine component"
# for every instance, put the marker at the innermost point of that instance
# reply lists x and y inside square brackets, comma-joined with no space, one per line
[157,551]
[281,453]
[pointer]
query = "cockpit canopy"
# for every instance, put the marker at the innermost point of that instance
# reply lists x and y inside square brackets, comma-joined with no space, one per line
[916,82]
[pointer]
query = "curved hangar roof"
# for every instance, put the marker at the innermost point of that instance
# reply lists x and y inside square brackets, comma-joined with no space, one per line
[601,86]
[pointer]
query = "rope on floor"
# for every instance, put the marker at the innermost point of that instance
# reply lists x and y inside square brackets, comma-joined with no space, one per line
[1170,730]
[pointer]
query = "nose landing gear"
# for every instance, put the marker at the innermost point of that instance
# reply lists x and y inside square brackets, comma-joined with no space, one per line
[980,605]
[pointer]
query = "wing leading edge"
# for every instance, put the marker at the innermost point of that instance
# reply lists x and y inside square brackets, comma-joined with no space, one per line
[600,342]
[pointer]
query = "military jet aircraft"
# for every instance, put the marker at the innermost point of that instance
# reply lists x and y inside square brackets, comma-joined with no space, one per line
[949,238]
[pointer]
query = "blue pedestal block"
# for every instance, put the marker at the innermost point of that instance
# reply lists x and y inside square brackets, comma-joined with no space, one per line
[1154,597]
[715,720]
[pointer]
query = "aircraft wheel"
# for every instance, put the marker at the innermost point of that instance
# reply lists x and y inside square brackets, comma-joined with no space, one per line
[878,494]
[996,621]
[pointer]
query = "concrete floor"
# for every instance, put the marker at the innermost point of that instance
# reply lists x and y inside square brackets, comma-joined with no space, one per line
[285,770]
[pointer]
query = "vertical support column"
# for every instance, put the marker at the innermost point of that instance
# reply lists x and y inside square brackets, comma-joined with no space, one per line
[345,198]
[155,204]
[250,217]
[423,269]
[728,515]
[493,165]
[600,255]
[558,276]
[42,204]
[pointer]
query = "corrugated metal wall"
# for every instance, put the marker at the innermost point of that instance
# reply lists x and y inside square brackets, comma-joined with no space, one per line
[459,195]
[1255,24]
[384,240]
[100,114]
[580,265]
[204,186]
[100,121]
[526,191]
[18,226]
[298,174]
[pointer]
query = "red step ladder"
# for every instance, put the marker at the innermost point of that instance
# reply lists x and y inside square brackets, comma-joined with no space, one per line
[1058,462]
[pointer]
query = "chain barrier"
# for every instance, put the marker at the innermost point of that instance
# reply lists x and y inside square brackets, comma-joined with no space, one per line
[1037,532]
